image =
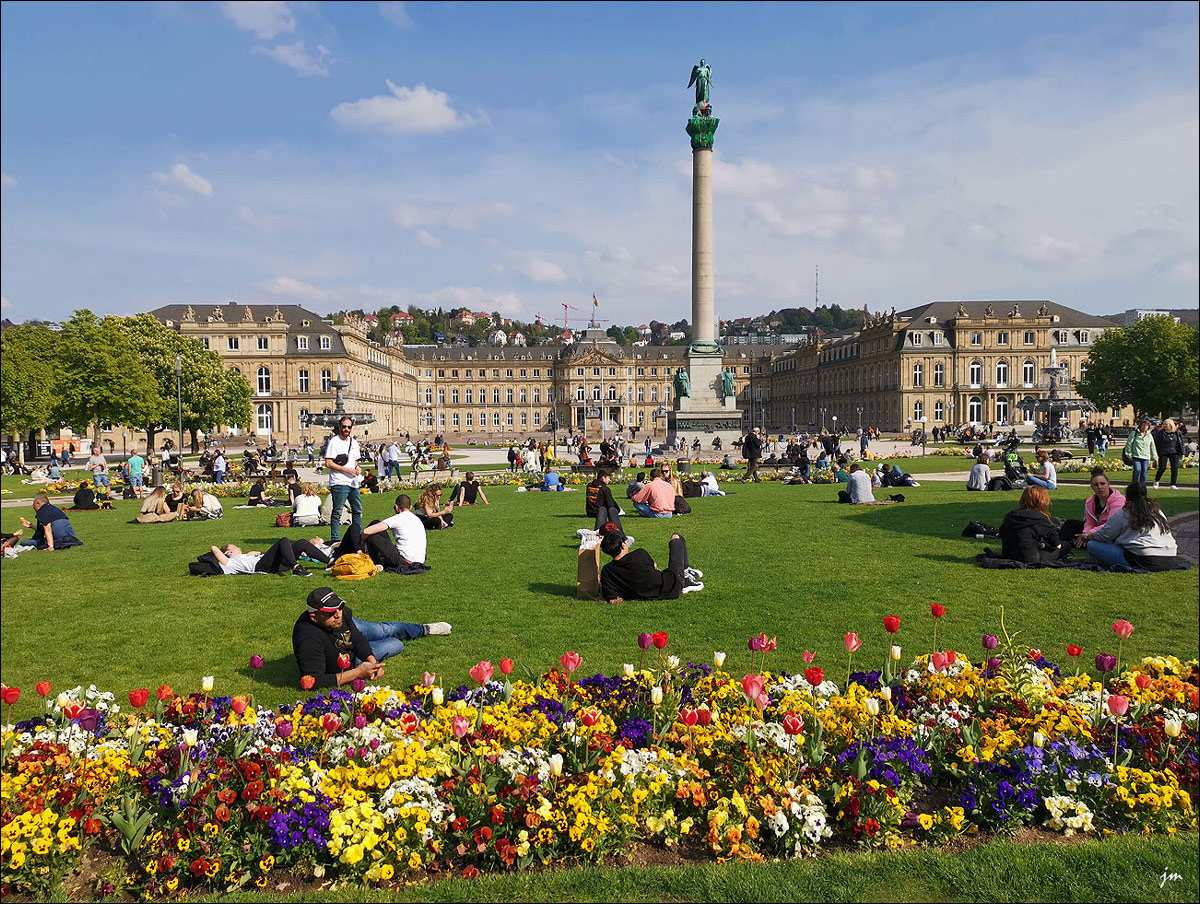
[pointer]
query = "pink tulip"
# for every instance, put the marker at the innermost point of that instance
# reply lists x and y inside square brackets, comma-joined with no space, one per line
[1122,629]
[938,660]
[809,656]
[852,642]
[752,685]
[482,672]
[1118,705]
[460,726]
[762,700]
[360,721]
[428,678]
[570,661]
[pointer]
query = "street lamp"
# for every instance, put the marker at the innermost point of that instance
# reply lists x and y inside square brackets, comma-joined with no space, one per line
[179,399]
[835,425]
[860,417]
[822,418]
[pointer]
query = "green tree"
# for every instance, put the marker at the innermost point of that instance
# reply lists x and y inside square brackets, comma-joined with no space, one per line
[101,378]
[28,359]
[1153,365]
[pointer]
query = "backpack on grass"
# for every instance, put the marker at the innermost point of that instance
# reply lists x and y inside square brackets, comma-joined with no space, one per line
[353,566]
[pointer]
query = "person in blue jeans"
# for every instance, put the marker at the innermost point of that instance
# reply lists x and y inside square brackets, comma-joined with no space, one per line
[1045,476]
[333,648]
[1142,451]
[341,459]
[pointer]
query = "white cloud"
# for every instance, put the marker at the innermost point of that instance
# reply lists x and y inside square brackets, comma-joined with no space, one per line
[182,176]
[168,198]
[542,271]
[266,18]
[296,57]
[5,304]
[8,180]
[256,220]
[396,14]
[294,288]
[406,111]
[428,240]
[457,216]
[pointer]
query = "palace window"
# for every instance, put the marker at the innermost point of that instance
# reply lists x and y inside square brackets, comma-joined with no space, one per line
[975,410]
[916,338]
[428,395]
[232,343]
[326,343]
[264,381]
[1030,337]
[266,419]
[508,396]
[977,338]
[302,343]
[1028,373]
[326,381]
[918,411]
[918,375]
[454,397]
[939,375]
[302,381]
[939,411]
[495,396]
[976,373]
[1002,337]
[1001,373]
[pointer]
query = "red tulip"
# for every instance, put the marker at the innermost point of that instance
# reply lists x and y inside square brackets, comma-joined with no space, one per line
[570,661]
[689,717]
[1143,681]
[343,660]
[891,624]
[330,723]
[938,610]
[409,723]
[809,656]
[1122,629]
[73,710]
[1118,705]
[793,724]
[951,657]
[165,692]
[1073,650]
[752,685]
[10,695]
[814,675]
[506,666]
[1035,655]
[308,682]
[659,638]
[482,671]
[938,660]
[852,642]
[42,687]
[138,698]
[704,715]
[589,717]
[238,704]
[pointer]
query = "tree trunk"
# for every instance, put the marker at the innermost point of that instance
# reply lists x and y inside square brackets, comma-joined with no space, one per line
[195,440]
[151,432]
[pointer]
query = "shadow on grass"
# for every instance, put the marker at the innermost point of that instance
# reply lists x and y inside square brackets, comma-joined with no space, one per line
[553,589]
[279,672]
[949,560]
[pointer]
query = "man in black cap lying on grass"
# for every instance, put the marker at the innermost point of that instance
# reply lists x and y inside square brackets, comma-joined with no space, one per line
[334,648]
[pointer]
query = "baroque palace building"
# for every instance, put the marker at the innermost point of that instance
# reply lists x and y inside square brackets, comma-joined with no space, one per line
[944,363]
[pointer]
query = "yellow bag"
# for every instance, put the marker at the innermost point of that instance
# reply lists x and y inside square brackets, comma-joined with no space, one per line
[354,566]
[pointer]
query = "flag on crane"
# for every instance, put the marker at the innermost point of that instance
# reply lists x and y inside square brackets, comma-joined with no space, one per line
[595,301]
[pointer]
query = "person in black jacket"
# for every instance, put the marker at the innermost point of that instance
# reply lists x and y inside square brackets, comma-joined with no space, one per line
[599,503]
[632,574]
[1168,441]
[333,647]
[1027,534]
[752,451]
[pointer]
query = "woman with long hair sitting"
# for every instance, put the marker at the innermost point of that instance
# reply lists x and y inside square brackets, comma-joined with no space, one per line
[1027,534]
[307,509]
[429,509]
[1137,535]
[1097,509]
[155,509]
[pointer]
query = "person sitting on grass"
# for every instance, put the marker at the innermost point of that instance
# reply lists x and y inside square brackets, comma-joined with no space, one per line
[155,509]
[85,499]
[633,574]
[1045,476]
[656,499]
[333,648]
[431,512]
[635,485]
[258,493]
[599,503]
[709,481]
[470,492]
[980,473]
[859,490]
[551,482]
[1137,535]
[408,549]
[177,501]
[205,506]
[53,528]
[283,556]
[1097,509]
[1027,533]
[307,510]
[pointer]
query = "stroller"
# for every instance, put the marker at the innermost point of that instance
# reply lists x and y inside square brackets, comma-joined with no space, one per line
[1015,473]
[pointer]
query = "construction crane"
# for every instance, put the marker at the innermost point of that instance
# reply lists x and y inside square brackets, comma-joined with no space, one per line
[567,307]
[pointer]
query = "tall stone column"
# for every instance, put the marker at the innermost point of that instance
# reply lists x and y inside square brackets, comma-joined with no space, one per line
[702,242]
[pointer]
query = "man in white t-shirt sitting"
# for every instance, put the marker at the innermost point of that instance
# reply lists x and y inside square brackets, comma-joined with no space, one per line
[408,549]
[341,458]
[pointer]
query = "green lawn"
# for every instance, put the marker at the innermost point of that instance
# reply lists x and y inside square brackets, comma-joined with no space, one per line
[122,612]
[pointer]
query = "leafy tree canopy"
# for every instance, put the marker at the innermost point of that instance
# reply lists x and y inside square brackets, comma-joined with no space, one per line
[1153,365]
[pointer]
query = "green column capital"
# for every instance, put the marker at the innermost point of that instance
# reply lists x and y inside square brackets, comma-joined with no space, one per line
[702,129]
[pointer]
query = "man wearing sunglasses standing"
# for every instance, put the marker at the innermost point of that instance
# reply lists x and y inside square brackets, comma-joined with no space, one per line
[341,459]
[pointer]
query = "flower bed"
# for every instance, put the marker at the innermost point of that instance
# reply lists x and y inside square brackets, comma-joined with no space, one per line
[379,785]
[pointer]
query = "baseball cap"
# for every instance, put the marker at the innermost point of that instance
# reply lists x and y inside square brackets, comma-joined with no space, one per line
[323,599]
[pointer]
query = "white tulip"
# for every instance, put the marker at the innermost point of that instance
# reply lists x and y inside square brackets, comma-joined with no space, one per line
[673,662]
[872,706]
[190,736]
[895,653]
[206,684]
[718,659]
[1173,727]
[1039,739]
[63,700]
[627,668]
[885,693]
[556,764]
[437,696]
[656,695]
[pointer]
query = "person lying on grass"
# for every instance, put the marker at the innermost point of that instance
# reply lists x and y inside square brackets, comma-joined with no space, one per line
[333,648]
[282,557]
[633,574]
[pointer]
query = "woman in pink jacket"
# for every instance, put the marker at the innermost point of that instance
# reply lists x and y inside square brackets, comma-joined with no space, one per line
[1098,508]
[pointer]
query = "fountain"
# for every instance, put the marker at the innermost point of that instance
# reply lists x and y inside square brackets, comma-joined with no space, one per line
[1053,404]
[339,412]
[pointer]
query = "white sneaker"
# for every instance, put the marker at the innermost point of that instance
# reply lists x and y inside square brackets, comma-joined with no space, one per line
[690,586]
[1173,487]
[629,538]
[1156,484]
[694,573]
[437,629]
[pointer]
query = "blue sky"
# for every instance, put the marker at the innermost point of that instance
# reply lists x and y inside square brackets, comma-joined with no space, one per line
[517,156]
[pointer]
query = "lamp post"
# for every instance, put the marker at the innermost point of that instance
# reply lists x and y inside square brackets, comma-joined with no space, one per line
[179,399]
[822,418]
[860,417]
[835,433]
